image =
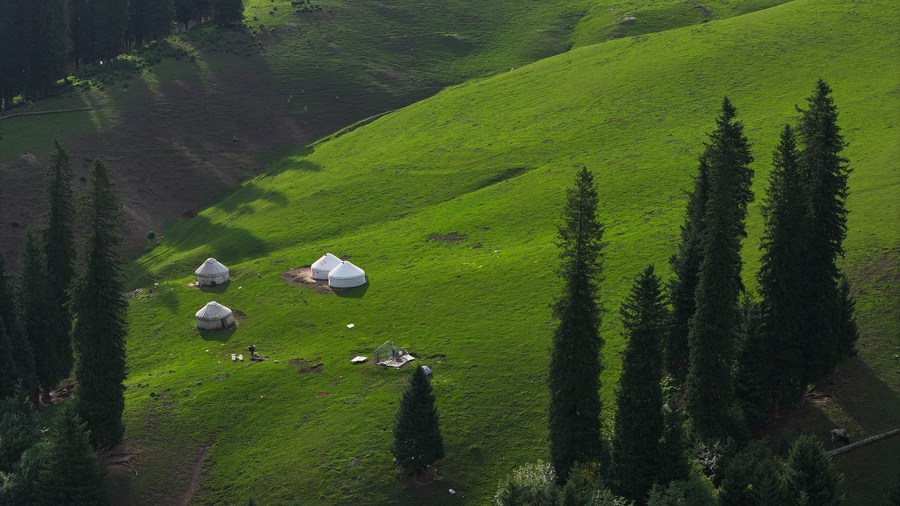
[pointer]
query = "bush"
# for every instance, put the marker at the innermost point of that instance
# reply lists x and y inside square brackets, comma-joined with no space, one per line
[531,484]
[695,491]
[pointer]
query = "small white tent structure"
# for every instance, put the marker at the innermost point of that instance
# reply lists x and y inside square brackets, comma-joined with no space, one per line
[211,273]
[346,275]
[214,316]
[324,265]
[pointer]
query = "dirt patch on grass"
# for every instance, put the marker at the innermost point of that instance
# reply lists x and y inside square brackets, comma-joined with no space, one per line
[307,366]
[319,395]
[196,476]
[303,277]
[451,237]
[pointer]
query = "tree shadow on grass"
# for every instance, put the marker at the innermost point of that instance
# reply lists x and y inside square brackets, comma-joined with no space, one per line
[220,288]
[219,240]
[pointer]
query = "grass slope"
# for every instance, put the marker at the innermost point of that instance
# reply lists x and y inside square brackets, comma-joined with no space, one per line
[290,78]
[488,160]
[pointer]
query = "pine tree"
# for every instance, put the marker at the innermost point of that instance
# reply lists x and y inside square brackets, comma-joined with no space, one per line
[59,249]
[109,19]
[35,305]
[44,46]
[20,429]
[752,478]
[417,433]
[810,477]
[228,12]
[70,473]
[98,334]
[673,458]
[81,32]
[636,445]
[574,378]
[12,52]
[8,372]
[824,172]
[685,267]
[19,349]
[709,391]
[771,362]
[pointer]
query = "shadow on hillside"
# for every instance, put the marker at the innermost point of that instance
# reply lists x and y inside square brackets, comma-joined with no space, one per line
[166,298]
[870,402]
[249,193]
[220,288]
[220,241]
[354,293]
[222,335]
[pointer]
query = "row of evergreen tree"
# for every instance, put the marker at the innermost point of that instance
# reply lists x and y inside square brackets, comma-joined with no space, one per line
[43,41]
[730,361]
[57,320]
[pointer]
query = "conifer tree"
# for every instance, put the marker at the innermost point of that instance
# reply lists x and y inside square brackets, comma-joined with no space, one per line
[810,477]
[709,391]
[20,428]
[8,372]
[574,378]
[417,434]
[35,305]
[824,171]
[772,361]
[19,350]
[44,46]
[636,445]
[685,267]
[109,20]
[752,478]
[59,249]
[228,12]
[673,458]
[70,473]
[98,334]
[12,52]
[81,32]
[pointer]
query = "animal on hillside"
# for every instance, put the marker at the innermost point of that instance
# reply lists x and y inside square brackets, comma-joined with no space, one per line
[840,435]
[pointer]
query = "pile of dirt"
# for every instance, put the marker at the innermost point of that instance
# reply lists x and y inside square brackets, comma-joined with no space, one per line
[307,366]
[451,237]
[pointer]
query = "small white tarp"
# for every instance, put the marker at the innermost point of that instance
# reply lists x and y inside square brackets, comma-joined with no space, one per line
[321,267]
[214,316]
[346,275]
[211,273]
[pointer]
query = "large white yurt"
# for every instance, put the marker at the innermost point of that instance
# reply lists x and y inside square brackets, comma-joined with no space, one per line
[211,273]
[324,265]
[214,316]
[346,275]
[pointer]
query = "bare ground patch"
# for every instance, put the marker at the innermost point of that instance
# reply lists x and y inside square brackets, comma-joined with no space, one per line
[451,237]
[302,276]
[307,366]
[196,477]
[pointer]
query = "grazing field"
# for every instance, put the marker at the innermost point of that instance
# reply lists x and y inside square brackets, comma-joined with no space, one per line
[450,205]
[287,79]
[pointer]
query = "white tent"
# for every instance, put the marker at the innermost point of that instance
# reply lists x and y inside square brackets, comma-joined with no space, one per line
[324,265]
[211,273]
[346,275]
[214,316]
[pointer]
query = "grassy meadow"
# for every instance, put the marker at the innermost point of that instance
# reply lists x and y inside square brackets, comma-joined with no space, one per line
[489,160]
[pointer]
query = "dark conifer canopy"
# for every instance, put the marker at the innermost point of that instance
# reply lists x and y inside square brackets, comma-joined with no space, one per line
[574,380]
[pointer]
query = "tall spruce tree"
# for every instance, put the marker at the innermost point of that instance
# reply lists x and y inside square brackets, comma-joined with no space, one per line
[109,19]
[777,356]
[709,391]
[637,443]
[228,12]
[12,52]
[824,171]
[809,476]
[574,379]
[70,473]
[19,349]
[98,334]
[8,376]
[44,33]
[417,434]
[685,268]
[35,306]
[59,249]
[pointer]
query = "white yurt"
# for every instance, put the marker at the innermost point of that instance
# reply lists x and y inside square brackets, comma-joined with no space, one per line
[214,316]
[346,275]
[324,265]
[211,273]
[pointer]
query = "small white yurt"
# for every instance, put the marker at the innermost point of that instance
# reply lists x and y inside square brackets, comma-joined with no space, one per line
[211,273]
[346,275]
[324,265]
[214,316]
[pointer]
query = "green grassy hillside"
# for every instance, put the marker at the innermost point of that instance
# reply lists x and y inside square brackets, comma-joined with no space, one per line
[488,160]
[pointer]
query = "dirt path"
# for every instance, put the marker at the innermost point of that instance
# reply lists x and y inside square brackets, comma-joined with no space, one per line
[196,477]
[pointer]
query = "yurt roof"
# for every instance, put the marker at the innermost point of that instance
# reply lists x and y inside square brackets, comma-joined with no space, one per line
[346,271]
[327,261]
[213,311]
[211,267]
